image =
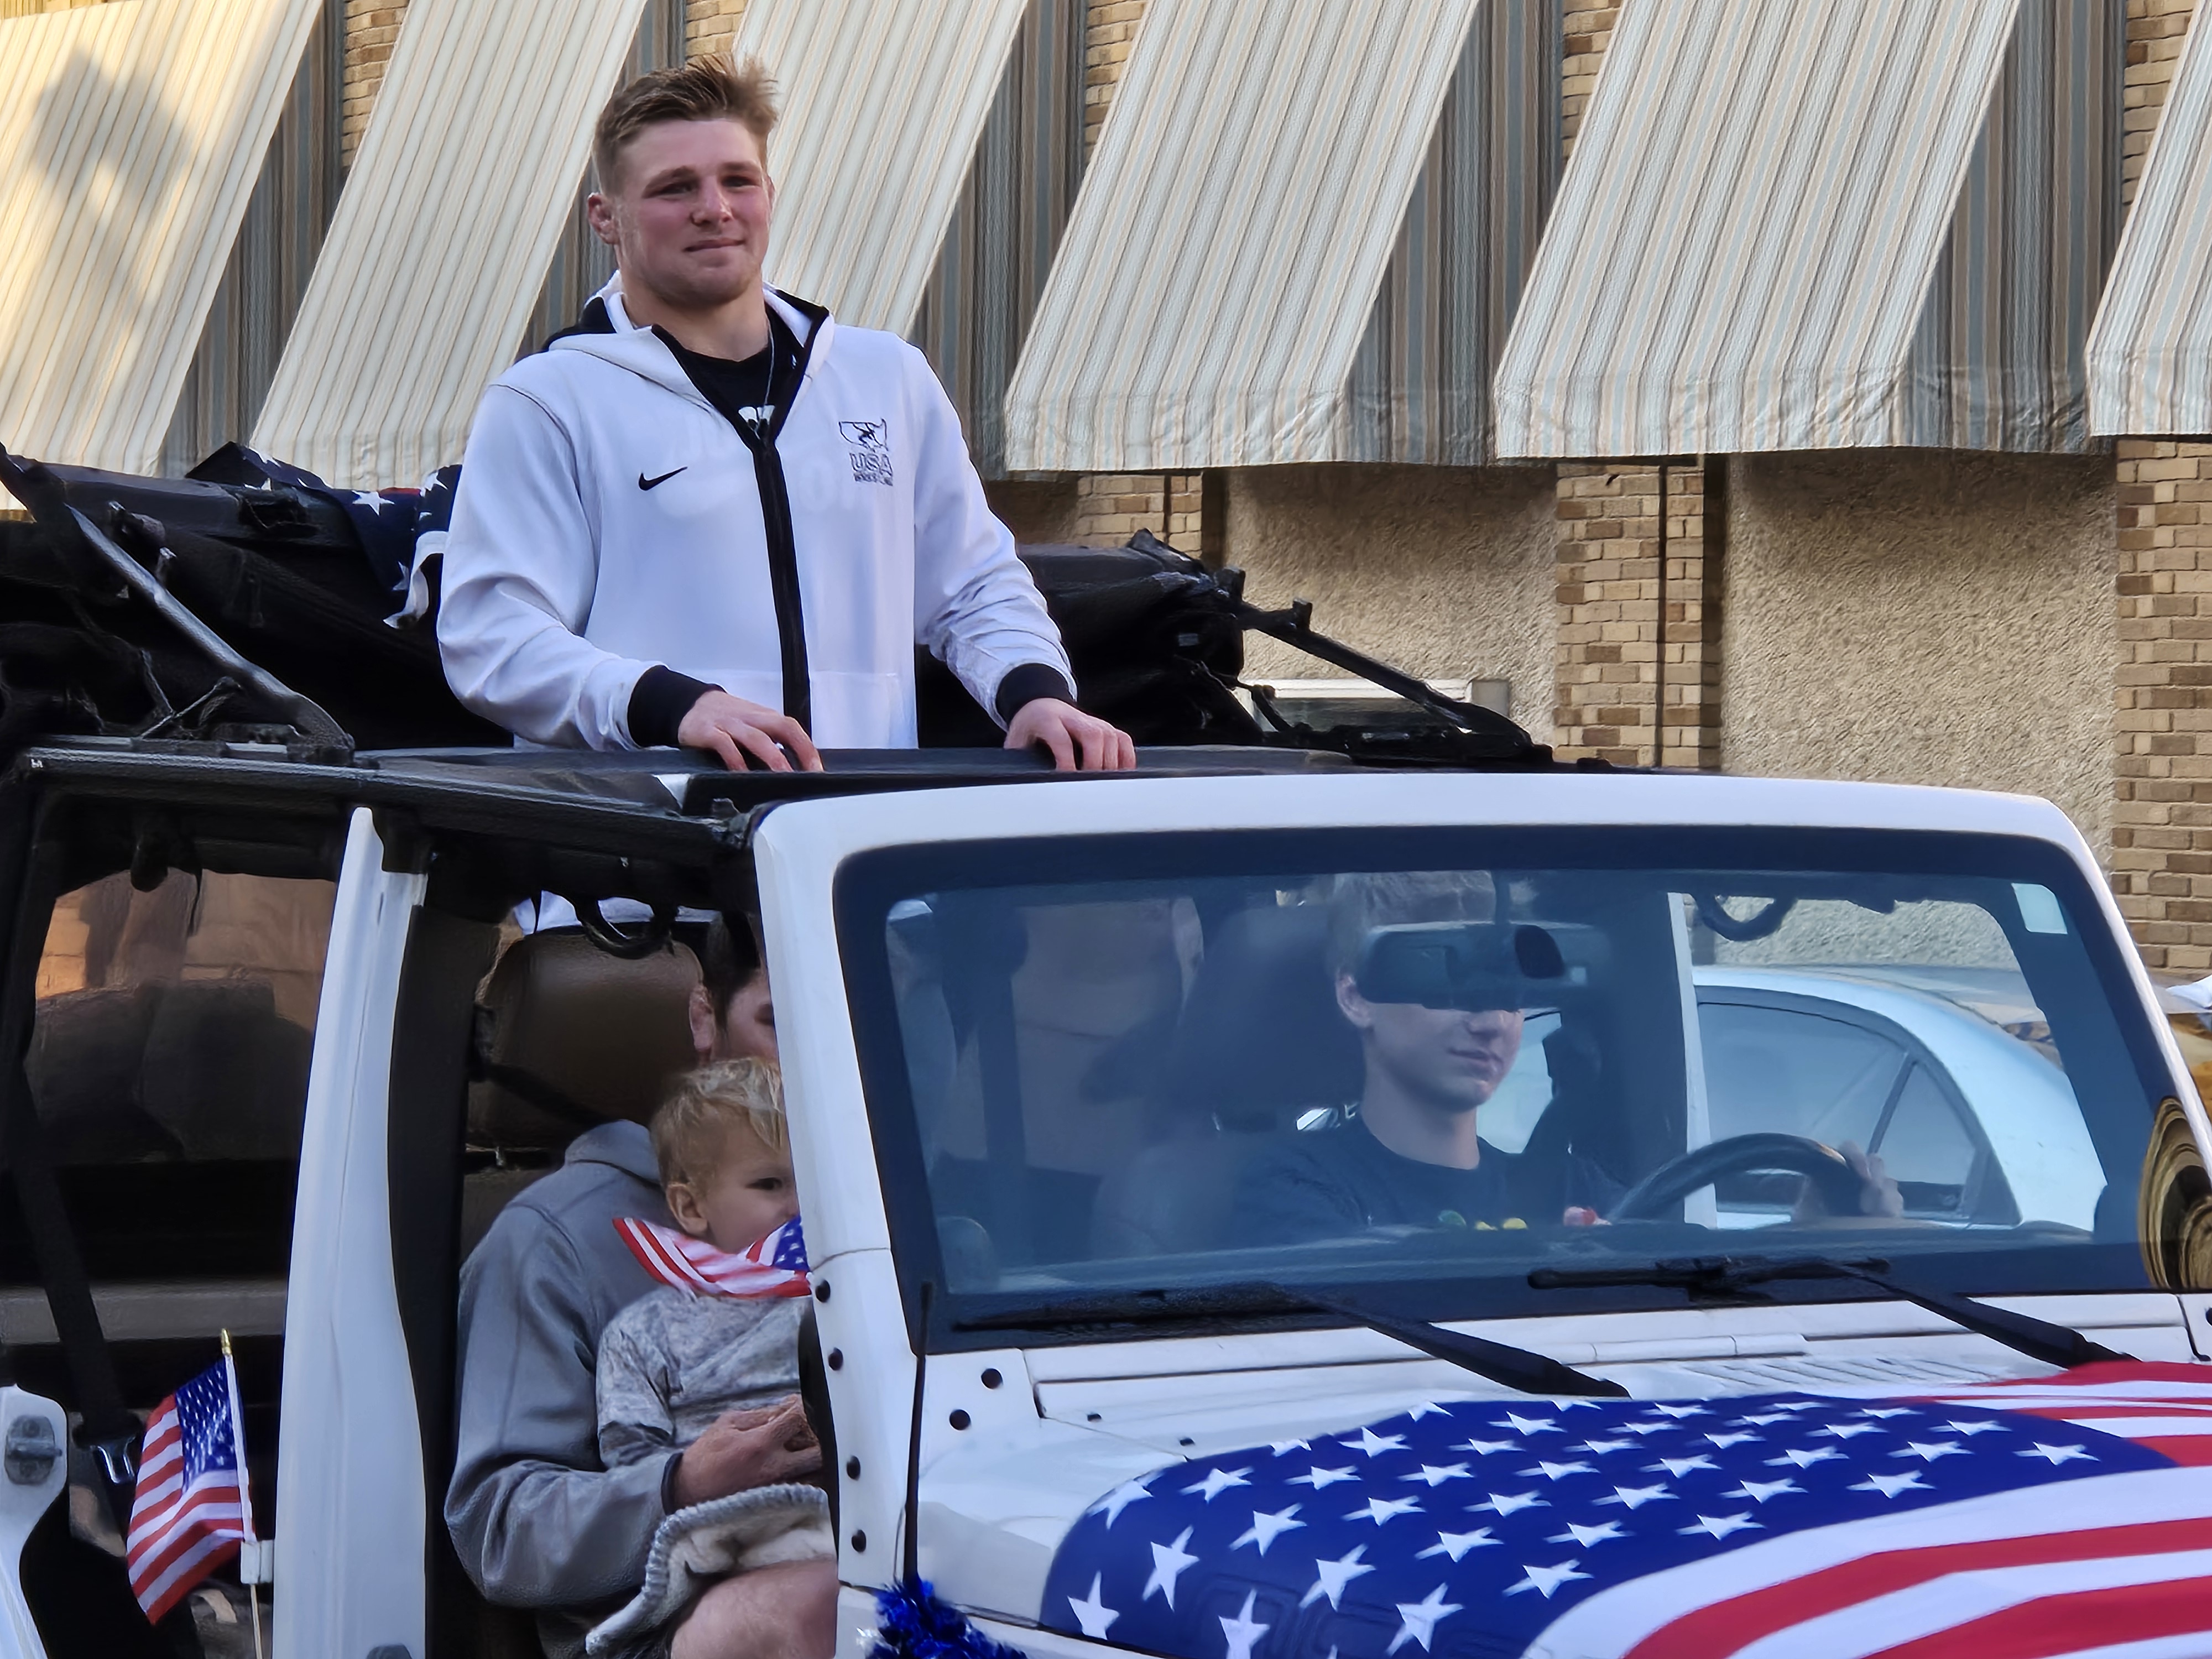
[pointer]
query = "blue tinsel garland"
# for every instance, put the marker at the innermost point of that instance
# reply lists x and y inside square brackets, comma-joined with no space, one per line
[913,1624]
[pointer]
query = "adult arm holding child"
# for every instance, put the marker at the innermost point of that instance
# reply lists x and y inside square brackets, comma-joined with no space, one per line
[763,1446]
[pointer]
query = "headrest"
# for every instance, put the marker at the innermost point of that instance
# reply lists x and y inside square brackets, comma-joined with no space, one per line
[569,1036]
[224,1072]
[1261,1038]
[204,1069]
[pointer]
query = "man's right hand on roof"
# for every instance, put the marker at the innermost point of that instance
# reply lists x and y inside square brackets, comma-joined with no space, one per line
[731,728]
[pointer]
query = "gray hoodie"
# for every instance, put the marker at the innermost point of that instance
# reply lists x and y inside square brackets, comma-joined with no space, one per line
[536,1519]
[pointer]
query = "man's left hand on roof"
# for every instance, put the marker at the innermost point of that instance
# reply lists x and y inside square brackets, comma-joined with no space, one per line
[1078,742]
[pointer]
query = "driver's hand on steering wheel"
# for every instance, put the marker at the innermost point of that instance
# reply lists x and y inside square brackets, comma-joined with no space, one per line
[1878,1193]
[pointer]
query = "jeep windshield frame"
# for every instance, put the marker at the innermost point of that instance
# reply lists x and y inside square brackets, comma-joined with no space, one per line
[2088,988]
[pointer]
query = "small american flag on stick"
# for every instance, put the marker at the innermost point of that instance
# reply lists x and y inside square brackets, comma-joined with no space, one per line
[775,1266]
[190,1510]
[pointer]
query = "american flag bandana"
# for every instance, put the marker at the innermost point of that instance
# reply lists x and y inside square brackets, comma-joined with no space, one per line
[188,1513]
[2065,1515]
[775,1266]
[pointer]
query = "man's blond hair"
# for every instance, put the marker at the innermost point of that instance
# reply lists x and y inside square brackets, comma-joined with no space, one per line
[693,1124]
[714,88]
[1362,902]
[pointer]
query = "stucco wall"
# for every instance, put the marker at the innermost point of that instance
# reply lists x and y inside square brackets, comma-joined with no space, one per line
[1924,617]
[1445,571]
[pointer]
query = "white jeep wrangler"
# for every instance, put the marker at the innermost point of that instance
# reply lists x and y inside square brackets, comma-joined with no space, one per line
[1050,1045]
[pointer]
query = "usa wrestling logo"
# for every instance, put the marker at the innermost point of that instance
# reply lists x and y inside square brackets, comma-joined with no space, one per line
[871,451]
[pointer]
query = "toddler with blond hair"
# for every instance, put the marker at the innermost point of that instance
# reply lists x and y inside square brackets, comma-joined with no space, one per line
[676,1360]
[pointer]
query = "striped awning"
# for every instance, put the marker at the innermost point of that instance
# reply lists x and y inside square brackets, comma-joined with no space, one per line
[884,101]
[1214,288]
[2150,353]
[450,215]
[131,136]
[1793,227]
[991,266]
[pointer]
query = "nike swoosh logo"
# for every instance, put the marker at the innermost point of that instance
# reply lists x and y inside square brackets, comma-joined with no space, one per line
[644,483]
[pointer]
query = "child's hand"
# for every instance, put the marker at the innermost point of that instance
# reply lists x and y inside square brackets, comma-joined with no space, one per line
[744,1448]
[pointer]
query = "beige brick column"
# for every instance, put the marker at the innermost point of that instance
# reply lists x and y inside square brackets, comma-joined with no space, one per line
[711,26]
[1588,28]
[1108,31]
[1637,677]
[2155,31]
[1638,663]
[1690,626]
[2162,806]
[1110,507]
[371,27]
[2162,867]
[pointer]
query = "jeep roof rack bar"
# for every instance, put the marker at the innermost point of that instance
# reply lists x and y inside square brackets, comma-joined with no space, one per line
[1294,627]
[38,489]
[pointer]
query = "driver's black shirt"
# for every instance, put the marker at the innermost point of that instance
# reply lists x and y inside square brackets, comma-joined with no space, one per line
[1333,1183]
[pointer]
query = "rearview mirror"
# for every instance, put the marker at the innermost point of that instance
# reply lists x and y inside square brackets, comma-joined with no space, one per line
[1477,965]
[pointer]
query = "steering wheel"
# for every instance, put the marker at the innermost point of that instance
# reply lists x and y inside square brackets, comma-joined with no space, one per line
[1658,1192]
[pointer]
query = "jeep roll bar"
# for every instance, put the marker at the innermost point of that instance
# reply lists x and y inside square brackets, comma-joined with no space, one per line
[92,551]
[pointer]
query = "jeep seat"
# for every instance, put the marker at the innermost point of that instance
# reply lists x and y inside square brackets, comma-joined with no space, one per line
[567,1037]
[1260,1041]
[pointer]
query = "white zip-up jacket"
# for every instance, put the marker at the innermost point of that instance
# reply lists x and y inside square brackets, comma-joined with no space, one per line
[608,521]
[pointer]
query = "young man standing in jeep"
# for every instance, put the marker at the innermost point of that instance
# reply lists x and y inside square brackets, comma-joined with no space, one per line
[709,515]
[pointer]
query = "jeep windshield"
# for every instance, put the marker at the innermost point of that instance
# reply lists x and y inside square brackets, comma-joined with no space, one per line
[1115,1077]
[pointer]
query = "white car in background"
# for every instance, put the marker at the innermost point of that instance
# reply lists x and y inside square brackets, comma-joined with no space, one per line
[1947,1074]
[1950,1077]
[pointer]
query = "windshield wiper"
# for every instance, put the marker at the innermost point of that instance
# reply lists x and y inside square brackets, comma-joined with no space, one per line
[1719,1275]
[1499,1362]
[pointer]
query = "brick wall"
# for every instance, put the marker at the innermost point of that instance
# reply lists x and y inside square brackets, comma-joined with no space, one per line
[709,26]
[1638,666]
[2162,787]
[2161,865]
[1110,507]
[2155,31]
[1109,30]
[371,27]
[1588,27]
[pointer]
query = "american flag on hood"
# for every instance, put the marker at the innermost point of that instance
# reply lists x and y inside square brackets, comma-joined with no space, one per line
[2069,1514]
[775,1266]
[188,1512]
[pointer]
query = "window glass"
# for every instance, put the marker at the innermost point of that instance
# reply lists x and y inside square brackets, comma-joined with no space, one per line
[1151,1061]
[168,1065]
[1953,953]
[1789,1070]
[1837,1075]
[1928,1151]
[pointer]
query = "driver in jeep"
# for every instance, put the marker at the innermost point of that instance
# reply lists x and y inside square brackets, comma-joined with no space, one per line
[1410,1153]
